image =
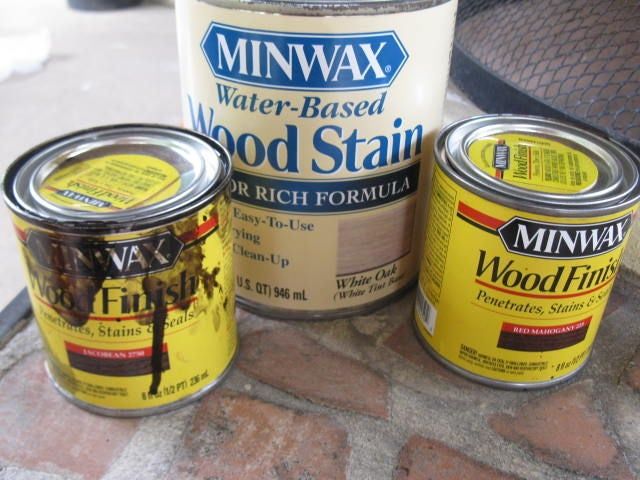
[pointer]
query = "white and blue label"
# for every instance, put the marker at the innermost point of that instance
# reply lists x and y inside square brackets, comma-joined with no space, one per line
[294,61]
[330,122]
[325,197]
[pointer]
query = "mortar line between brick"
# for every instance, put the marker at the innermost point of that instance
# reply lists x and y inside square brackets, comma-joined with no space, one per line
[18,360]
[335,349]
[524,448]
[601,410]
[628,275]
[623,370]
[609,427]
[343,418]
[122,450]
[181,438]
[30,471]
[384,375]
[309,405]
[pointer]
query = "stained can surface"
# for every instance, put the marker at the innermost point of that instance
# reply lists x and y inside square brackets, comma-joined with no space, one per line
[329,110]
[528,220]
[125,233]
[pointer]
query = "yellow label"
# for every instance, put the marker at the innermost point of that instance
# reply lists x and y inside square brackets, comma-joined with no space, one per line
[135,321]
[513,296]
[535,163]
[112,182]
[330,121]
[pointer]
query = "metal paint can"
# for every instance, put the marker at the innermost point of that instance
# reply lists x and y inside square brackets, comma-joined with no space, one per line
[528,220]
[329,109]
[125,233]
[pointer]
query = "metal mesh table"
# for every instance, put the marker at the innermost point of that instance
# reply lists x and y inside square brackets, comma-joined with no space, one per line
[577,60]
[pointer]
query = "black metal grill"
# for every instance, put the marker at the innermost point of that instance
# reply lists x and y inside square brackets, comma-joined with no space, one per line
[577,60]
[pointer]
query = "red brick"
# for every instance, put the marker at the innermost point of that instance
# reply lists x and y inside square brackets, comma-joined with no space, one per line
[563,429]
[423,459]
[43,431]
[632,373]
[289,360]
[233,436]
[405,343]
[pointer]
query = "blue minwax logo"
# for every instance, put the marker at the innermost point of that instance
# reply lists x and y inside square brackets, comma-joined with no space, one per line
[295,61]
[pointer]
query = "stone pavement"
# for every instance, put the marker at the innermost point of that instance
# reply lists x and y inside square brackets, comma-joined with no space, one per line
[356,399]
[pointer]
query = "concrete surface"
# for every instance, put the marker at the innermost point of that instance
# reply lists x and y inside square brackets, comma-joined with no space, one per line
[105,68]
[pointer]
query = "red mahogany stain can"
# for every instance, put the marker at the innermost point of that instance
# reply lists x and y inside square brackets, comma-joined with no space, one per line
[528,221]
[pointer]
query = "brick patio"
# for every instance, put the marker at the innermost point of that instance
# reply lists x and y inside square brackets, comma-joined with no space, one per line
[356,399]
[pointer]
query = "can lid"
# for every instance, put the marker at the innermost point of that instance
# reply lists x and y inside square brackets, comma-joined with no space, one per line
[328,7]
[540,162]
[118,174]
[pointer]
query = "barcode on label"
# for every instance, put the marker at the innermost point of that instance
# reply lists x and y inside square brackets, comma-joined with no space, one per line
[426,312]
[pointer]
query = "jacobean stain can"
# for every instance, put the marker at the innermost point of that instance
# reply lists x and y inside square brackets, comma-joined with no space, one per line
[329,109]
[125,233]
[528,220]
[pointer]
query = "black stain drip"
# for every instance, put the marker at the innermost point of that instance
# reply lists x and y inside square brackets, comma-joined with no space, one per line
[159,316]
[80,292]
[150,285]
[192,257]
[191,260]
[210,282]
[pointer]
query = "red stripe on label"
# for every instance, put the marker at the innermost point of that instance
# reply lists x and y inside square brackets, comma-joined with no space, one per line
[112,354]
[540,295]
[479,217]
[22,234]
[538,330]
[201,231]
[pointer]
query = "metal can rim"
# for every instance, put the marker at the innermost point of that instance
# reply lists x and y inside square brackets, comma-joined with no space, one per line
[115,225]
[552,205]
[322,8]
[609,187]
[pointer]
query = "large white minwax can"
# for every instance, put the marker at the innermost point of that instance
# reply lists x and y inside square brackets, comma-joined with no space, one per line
[329,110]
